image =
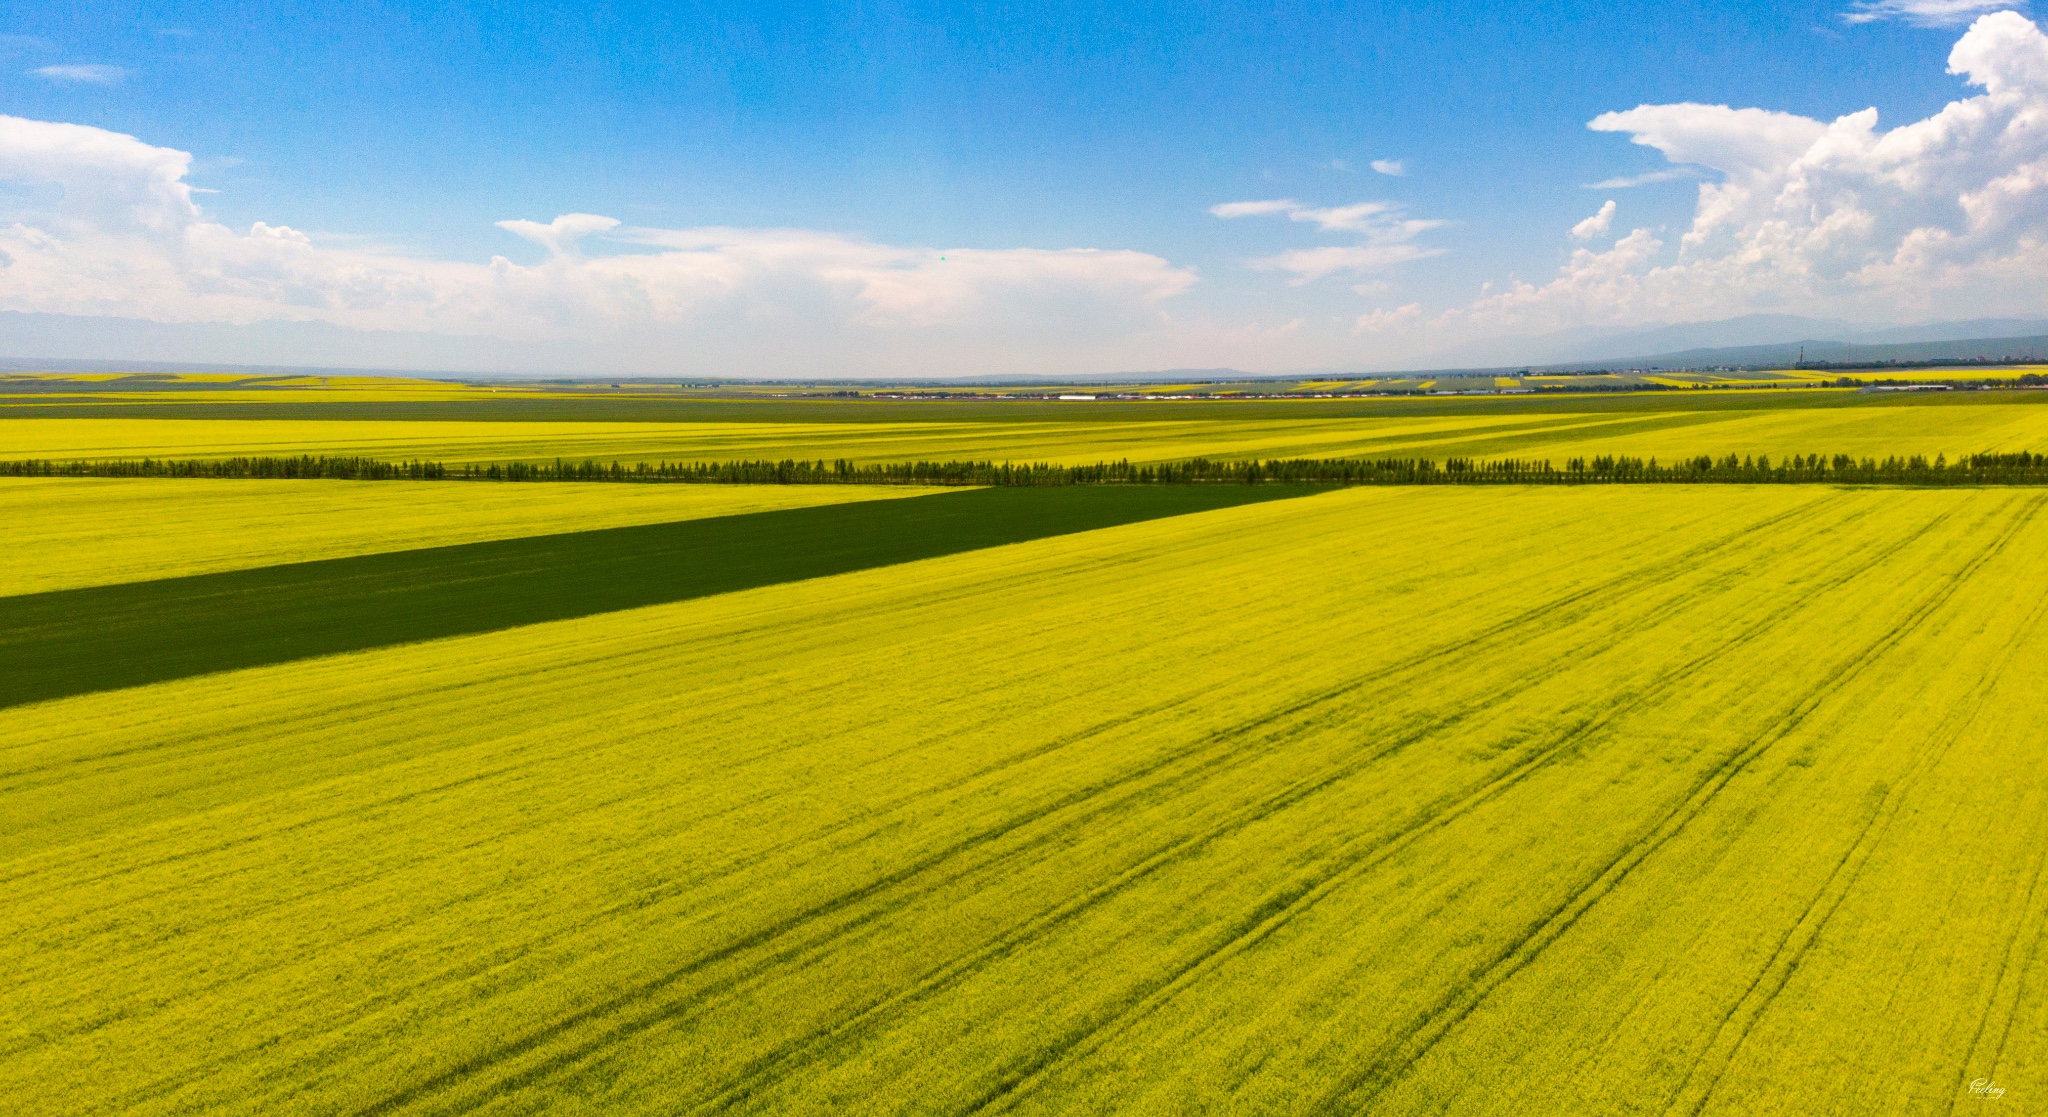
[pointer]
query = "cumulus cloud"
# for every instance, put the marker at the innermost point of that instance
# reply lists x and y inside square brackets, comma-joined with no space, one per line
[91,74]
[1942,216]
[1393,167]
[1924,13]
[101,223]
[1377,321]
[1596,225]
[1387,237]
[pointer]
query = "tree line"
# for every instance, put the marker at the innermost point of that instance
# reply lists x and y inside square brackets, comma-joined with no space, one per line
[1839,469]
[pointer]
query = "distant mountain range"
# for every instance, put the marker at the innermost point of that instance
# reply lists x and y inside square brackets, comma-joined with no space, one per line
[2032,347]
[57,342]
[1708,342]
[1750,341]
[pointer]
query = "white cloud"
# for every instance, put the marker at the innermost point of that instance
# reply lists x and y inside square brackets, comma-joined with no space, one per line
[91,74]
[1924,13]
[1393,167]
[1359,217]
[101,223]
[1387,237]
[1311,264]
[1596,225]
[1946,216]
[1254,209]
[1735,141]
[1380,320]
[1625,182]
[559,236]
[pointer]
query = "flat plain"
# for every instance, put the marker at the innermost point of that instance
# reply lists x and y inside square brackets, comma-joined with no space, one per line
[1608,800]
[461,796]
[478,426]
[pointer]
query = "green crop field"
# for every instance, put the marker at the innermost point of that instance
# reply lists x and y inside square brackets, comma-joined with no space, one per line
[1622,799]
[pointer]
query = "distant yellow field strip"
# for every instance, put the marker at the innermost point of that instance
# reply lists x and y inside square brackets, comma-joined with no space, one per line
[1927,375]
[870,442]
[1952,429]
[64,533]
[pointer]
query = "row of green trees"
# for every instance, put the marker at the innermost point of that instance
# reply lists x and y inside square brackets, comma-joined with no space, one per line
[1975,469]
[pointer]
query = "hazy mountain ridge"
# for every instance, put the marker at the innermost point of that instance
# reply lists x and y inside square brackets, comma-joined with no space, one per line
[1751,331]
[65,343]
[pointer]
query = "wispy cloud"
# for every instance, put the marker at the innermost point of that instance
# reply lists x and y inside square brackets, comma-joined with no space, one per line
[1310,264]
[1387,237]
[1359,217]
[90,73]
[1624,182]
[1924,13]
[1254,209]
[1393,167]
[1376,219]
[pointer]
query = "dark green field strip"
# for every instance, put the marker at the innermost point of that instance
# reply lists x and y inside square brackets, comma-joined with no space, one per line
[547,409]
[101,638]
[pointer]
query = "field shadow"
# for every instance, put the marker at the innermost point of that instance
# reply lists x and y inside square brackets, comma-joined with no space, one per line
[69,642]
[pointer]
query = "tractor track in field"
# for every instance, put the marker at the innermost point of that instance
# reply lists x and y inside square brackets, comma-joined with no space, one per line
[653,987]
[860,906]
[1446,809]
[1159,859]
[1213,743]
[2033,954]
[2020,923]
[1868,836]
[1233,734]
[1402,1053]
[1363,1087]
[1282,909]
[644,898]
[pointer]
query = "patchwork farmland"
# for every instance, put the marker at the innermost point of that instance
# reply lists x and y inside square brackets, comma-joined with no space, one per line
[432,797]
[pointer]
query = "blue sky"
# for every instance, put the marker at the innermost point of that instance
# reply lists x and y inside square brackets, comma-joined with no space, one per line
[412,133]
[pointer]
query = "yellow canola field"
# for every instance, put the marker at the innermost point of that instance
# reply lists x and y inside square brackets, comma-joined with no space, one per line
[1946,428]
[1294,807]
[1830,376]
[64,533]
[1918,375]
[1035,440]
[241,388]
